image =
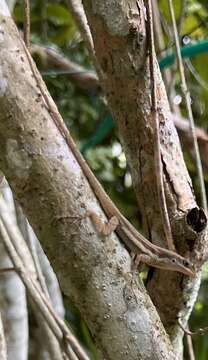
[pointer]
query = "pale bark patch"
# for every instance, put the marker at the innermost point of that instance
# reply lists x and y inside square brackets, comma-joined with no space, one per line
[4,11]
[3,80]
[117,24]
[18,159]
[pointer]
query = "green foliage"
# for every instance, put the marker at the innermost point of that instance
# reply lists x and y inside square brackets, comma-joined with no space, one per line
[58,15]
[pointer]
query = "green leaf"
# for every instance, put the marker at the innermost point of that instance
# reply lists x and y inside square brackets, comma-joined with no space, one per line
[165,8]
[19,15]
[59,15]
[62,35]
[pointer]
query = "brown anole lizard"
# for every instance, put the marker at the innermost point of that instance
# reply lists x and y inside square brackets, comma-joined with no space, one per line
[156,129]
[149,253]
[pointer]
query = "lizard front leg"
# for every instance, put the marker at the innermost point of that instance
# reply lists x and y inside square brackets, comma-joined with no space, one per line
[103,228]
[137,259]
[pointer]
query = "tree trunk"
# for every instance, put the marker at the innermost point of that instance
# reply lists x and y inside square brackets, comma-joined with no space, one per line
[121,49]
[49,184]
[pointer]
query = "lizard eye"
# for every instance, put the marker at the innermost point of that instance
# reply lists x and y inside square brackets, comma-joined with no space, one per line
[186,263]
[173,260]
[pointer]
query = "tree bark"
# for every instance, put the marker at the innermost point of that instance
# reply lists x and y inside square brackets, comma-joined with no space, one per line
[49,185]
[121,46]
[3,350]
[13,303]
[89,82]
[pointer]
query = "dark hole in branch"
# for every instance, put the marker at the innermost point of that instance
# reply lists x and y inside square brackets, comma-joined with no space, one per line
[197,219]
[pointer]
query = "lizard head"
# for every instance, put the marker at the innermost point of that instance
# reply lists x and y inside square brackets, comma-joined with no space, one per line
[185,266]
[175,263]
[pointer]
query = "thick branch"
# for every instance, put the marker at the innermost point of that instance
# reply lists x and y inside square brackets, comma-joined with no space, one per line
[183,128]
[124,61]
[48,183]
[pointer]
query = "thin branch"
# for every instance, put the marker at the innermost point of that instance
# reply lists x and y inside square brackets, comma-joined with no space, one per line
[187,98]
[50,345]
[27,23]
[160,39]
[171,43]
[37,297]
[182,15]
[196,75]
[200,331]
[10,235]
[167,72]
[24,228]
[26,279]
[78,13]
[5,270]
[84,78]
[89,81]
[157,154]
[190,348]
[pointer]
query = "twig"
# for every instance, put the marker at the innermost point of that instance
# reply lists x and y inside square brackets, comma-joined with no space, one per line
[157,154]
[57,325]
[26,279]
[78,13]
[200,331]
[36,294]
[27,23]
[167,73]
[190,348]
[86,79]
[5,270]
[187,98]
[182,14]
[196,75]
[30,240]
[193,29]
[160,39]
[51,345]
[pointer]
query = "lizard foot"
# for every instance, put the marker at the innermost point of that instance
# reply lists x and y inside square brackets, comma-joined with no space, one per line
[103,228]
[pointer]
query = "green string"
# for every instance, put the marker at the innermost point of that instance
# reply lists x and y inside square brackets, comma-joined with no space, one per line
[107,124]
[187,51]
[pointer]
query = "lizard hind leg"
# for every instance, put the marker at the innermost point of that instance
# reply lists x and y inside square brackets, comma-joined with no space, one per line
[103,228]
[111,225]
[135,262]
